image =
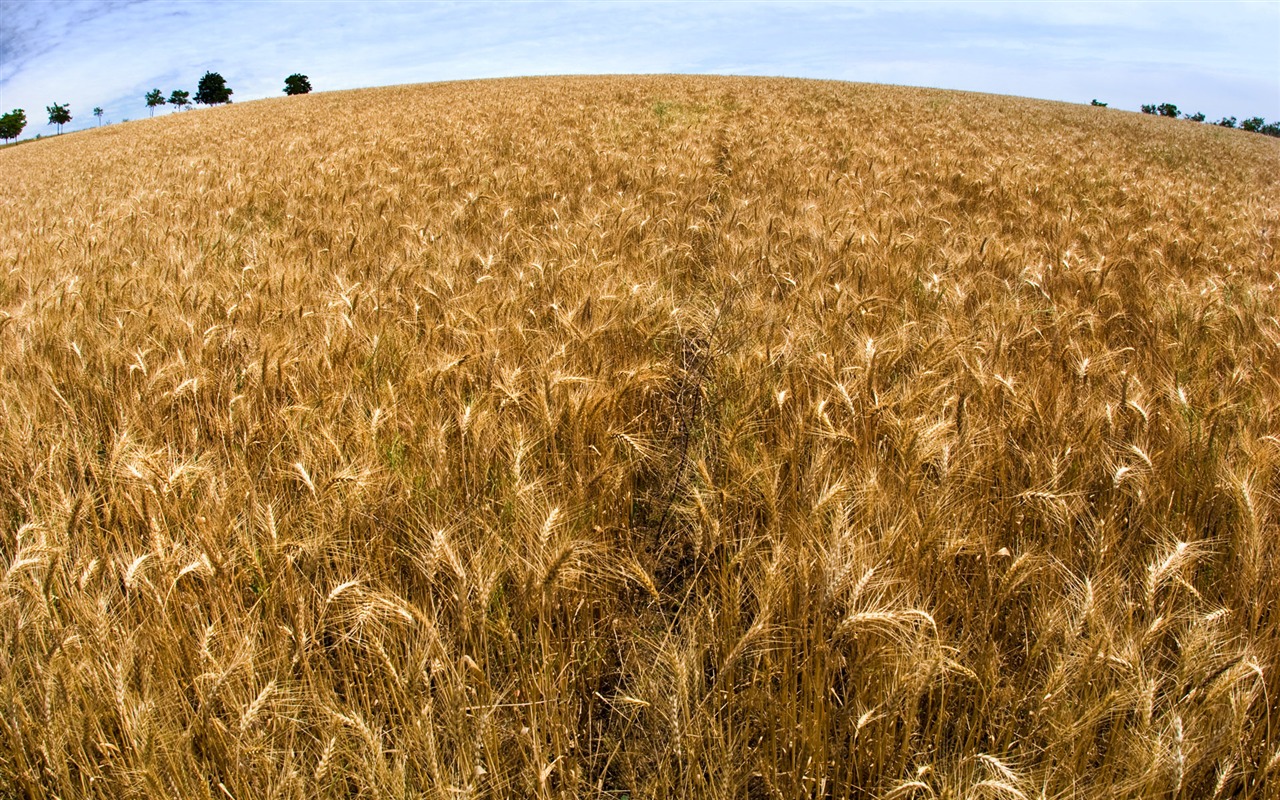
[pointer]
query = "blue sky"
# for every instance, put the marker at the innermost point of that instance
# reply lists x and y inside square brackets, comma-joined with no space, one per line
[1221,58]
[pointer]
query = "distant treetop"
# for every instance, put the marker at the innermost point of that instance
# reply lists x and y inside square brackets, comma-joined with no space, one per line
[297,83]
[212,90]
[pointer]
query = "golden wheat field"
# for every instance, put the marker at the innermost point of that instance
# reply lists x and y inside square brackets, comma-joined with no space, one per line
[641,438]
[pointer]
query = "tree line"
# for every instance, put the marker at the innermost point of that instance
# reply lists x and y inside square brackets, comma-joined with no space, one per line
[1252,124]
[211,90]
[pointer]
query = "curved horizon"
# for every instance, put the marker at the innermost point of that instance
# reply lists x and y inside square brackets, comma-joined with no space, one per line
[1220,60]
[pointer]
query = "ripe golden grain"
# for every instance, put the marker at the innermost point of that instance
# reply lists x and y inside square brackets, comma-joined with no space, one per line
[649,437]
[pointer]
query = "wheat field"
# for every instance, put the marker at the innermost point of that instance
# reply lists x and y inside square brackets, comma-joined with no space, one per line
[641,437]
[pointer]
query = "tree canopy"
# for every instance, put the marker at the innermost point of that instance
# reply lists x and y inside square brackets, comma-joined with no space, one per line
[59,115]
[155,97]
[11,124]
[180,98]
[213,90]
[297,83]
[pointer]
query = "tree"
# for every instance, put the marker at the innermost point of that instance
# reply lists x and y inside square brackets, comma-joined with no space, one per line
[98,112]
[297,84]
[1196,117]
[1226,122]
[11,124]
[1098,103]
[1270,129]
[213,90]
[1252,124]
[1168,110]
[1148,109]
[154,98]
[180,98]
[59,115]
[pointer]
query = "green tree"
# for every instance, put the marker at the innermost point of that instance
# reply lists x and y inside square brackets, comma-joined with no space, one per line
[180,98]
[1226,122]
[11,124]
[154,98]
[1148,108]
[1167,110]
[98,112]
[1196,117]
[1098,103]
[297,83]
[213,90]
[1253,124]
[59,115]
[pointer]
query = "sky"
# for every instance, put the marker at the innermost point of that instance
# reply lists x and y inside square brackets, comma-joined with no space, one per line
[1220,58]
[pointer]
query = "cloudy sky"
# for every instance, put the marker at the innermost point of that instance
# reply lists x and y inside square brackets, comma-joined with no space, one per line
[1221,58]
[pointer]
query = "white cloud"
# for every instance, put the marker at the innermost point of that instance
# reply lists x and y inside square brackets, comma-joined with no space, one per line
[1221,58]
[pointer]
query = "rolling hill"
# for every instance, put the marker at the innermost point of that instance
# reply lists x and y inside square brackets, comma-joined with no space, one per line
[633,437]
